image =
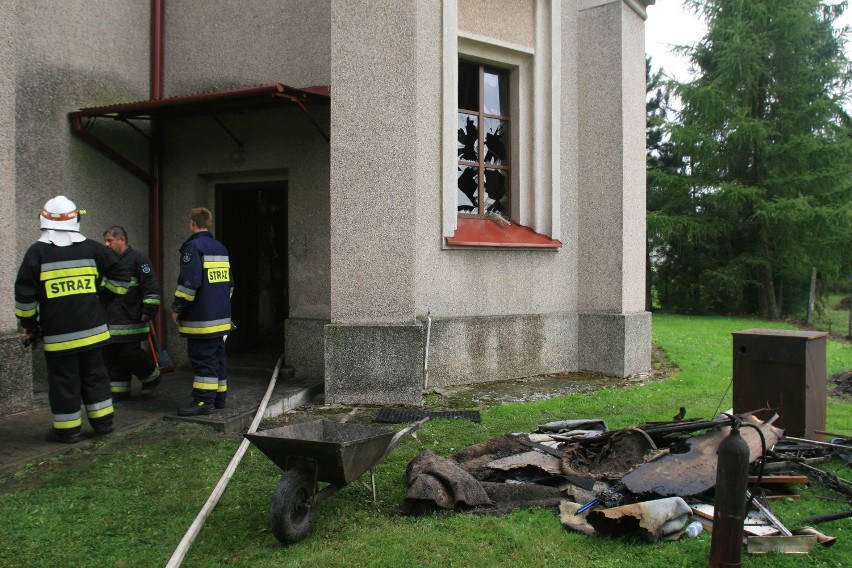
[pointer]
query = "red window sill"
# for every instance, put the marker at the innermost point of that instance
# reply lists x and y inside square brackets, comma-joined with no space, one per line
[472,232]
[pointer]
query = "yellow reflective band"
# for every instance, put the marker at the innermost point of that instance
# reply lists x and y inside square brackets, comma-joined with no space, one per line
[100,413]
[25,313]
[184,295]
[74,343]
[69,286]
[154,374]
[216,264]
[222,388]
[119,289]
[215,275]
[203,330]
[66,424]
[69,272]
[205,386]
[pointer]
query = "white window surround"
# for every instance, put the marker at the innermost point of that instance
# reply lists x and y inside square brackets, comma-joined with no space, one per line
[535,104]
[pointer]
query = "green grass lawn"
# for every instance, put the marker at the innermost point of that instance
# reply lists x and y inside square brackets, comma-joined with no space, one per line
[128,502]
[830,316]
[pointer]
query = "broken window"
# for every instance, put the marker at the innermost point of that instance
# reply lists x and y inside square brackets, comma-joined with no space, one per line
[483,140]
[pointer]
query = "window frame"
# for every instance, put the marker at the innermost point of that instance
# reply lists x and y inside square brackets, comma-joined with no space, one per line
[535,83]
[481,164]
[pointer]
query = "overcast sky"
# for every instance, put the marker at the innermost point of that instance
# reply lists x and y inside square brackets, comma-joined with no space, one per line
[668,24]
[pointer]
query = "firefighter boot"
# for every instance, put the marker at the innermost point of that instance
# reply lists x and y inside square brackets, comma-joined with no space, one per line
[53,435]
[150,384]
[195,409]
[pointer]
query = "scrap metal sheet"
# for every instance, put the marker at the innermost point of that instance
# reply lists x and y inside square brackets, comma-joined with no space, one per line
[694,472]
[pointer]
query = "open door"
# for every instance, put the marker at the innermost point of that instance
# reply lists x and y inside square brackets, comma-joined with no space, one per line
[251,221]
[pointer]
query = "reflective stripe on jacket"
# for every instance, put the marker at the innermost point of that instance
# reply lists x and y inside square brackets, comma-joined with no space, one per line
[124,313]
[204,287]
[57,289]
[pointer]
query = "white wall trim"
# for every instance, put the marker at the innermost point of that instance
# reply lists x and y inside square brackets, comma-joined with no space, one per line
[491,42]
[449,118]
[536,92]
[556,120]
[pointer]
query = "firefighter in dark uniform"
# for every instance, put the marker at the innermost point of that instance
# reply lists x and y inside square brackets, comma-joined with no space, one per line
[56,300]
[129,319]
[202,312]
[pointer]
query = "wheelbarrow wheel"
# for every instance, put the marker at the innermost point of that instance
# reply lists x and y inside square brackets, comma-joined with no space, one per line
[291,515]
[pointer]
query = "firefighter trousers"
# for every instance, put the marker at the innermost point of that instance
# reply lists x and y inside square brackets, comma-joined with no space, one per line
[210,366]
[126,358]
[77,378]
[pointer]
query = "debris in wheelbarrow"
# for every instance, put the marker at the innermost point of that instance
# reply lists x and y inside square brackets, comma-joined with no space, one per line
[319,451]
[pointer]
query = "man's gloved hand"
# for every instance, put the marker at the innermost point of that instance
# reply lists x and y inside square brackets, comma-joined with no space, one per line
[31,337]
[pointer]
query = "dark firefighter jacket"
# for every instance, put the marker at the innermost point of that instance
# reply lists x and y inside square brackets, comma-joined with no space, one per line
[124,313]
[205,285]
[57,289]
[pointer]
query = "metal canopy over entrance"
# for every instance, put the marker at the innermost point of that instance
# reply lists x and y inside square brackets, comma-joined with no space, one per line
[201,104]
[159,110]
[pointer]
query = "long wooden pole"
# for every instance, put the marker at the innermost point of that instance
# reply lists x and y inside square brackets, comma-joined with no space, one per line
[201,518]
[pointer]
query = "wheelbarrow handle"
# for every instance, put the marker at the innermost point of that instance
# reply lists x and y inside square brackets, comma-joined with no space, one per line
[395,441]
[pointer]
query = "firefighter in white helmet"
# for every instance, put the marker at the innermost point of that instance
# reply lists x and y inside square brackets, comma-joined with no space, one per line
[56,301]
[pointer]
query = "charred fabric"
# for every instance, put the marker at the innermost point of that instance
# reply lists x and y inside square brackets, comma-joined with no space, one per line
[652,480]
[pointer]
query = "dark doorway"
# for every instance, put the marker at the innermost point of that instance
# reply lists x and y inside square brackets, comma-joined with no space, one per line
[252,224]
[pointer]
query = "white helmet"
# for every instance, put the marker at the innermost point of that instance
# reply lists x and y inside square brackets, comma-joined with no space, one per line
[60,214]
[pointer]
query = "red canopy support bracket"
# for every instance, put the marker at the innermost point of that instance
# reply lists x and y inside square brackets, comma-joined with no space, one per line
[107,150]
[307,114]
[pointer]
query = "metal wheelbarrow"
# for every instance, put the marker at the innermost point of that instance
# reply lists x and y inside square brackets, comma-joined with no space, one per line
[335,453]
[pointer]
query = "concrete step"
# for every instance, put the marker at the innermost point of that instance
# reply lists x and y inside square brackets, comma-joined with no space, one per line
[23,433]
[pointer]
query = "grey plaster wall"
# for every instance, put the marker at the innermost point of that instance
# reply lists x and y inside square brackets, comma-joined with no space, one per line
[633,102]
[222,45]
[70,56]
[8,233]
[478,283]
[612,158]
[16,391]
[498,314]
[58,57]
[601,151]
[615,335]
[373,187]
[278,144]
[509,21]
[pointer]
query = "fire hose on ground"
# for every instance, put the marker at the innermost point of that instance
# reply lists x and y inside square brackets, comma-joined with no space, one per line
[201,518]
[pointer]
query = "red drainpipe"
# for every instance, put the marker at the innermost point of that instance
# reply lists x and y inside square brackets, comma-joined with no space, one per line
[156,187]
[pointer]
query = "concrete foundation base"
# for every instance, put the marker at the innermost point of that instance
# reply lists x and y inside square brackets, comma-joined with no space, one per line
[383,364]
[479,349]
[303,346]
[374,364]
[617,345]
[16,382]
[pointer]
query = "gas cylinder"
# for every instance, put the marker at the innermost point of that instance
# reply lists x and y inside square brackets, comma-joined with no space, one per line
[726,545]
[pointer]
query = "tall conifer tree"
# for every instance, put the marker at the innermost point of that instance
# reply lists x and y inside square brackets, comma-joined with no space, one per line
[767,151]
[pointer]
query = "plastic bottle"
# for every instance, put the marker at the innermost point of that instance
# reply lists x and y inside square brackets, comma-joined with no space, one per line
[694,529]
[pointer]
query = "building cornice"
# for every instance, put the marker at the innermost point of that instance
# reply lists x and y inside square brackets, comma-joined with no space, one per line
[638,6]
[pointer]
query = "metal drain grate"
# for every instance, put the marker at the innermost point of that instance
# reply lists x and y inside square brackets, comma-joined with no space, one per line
[399,415]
